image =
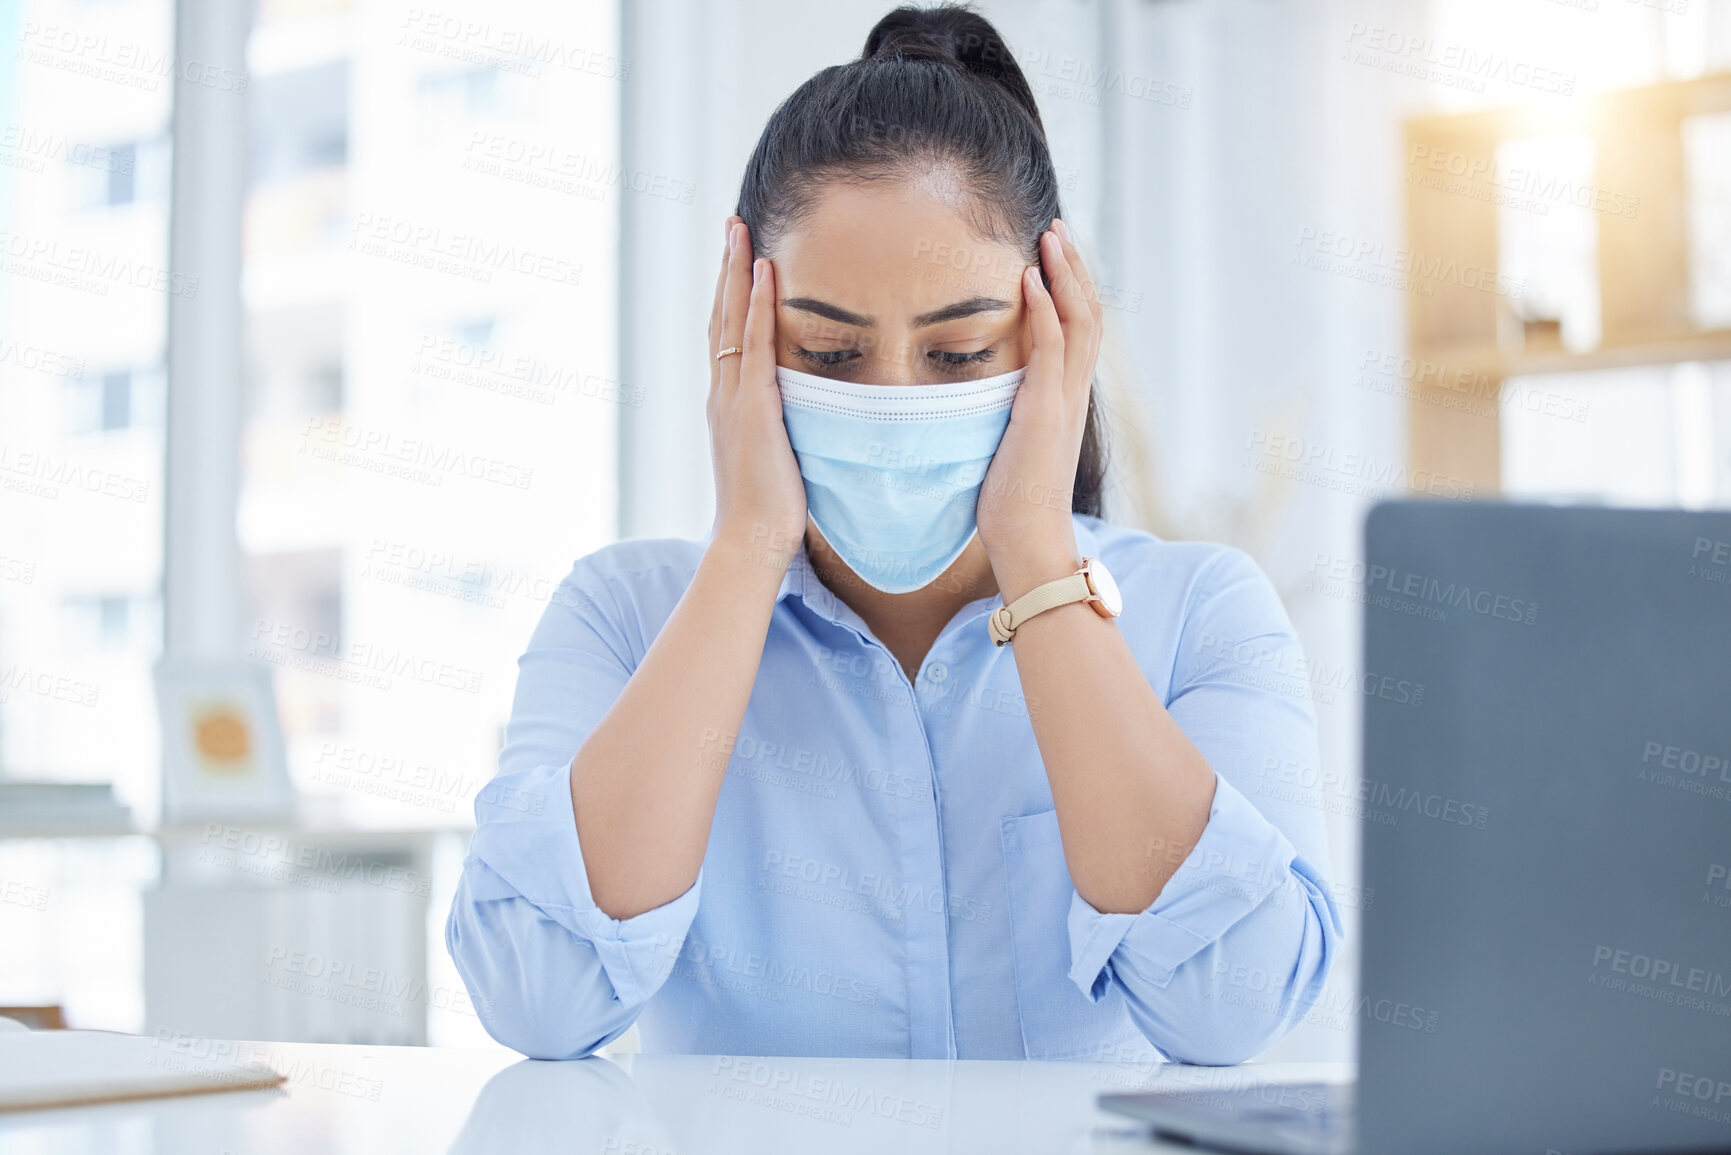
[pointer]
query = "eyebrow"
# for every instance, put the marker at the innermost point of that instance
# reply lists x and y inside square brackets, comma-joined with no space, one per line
[968,308]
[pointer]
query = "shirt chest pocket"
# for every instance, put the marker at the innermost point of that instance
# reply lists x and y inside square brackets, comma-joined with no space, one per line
[1058,1021]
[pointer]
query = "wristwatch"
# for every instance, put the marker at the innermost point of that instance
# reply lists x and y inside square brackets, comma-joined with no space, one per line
[1092,584]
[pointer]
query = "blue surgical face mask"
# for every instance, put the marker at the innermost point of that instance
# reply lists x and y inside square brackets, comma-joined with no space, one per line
[892,472]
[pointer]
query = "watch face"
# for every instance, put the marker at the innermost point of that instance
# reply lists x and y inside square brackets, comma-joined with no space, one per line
[1100,578]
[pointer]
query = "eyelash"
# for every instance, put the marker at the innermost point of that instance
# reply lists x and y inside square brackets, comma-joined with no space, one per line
[949,360]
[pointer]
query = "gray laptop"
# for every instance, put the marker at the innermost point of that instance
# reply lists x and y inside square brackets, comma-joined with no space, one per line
[1548,836]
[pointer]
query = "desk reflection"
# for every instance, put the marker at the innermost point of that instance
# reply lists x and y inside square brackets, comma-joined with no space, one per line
[584,1105]
[687,1104]
[350,1100]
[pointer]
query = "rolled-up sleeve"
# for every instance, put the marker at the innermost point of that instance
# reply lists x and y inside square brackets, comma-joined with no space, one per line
[1237,946]
[550,974]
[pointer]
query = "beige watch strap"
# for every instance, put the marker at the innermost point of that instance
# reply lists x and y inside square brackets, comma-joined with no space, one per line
[1004,620]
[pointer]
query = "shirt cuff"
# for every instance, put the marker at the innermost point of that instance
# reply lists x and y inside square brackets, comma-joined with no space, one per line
[1238,862]
[525,833]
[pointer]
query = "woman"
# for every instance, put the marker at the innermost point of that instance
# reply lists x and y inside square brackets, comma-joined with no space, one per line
[830,782]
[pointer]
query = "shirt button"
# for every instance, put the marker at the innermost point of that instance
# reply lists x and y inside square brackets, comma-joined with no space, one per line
[937,672]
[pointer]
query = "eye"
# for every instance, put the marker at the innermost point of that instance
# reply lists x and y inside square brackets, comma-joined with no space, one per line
[825,357]
[949,359]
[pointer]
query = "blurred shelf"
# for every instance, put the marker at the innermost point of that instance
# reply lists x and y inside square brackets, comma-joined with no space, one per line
[1666,349]
[45,808]
[18,828]
[186,833]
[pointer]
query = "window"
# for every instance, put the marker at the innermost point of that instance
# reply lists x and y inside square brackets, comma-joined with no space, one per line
[428,315]
[116,175]
[115,400]
[84,165]
[300,122]
[428,333]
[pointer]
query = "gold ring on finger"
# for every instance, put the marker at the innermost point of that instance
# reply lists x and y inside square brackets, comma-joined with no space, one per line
[731,349]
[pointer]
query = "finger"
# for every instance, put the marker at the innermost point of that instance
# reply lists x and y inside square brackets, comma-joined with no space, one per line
[715,306]
[757,363]
[1079,267]
[735,301]
[1066,287]
[1075,311]
[715,315]
[1046,358]
[720,280]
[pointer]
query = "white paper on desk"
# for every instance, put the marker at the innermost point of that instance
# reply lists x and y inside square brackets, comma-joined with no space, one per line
[63,1068]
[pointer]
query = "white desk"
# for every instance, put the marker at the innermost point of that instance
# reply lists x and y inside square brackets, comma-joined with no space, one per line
[370,1100]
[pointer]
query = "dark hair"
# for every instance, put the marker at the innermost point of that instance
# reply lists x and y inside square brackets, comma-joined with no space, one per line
[933,86]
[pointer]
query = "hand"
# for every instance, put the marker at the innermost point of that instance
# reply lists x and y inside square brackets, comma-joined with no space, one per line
[759,496]
[1024,506]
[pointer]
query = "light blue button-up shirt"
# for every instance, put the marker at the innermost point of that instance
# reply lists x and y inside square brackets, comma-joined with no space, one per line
[884,876]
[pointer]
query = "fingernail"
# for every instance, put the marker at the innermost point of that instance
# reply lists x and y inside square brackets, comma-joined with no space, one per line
[727,231]
[1063,229]
[733,237]
[757,270]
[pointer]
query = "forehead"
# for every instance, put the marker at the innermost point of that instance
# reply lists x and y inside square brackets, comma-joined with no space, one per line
[893,249]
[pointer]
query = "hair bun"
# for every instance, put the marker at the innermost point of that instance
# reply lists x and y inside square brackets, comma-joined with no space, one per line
[953,34]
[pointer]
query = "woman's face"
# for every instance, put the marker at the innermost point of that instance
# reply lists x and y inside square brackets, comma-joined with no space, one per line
[888,284]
